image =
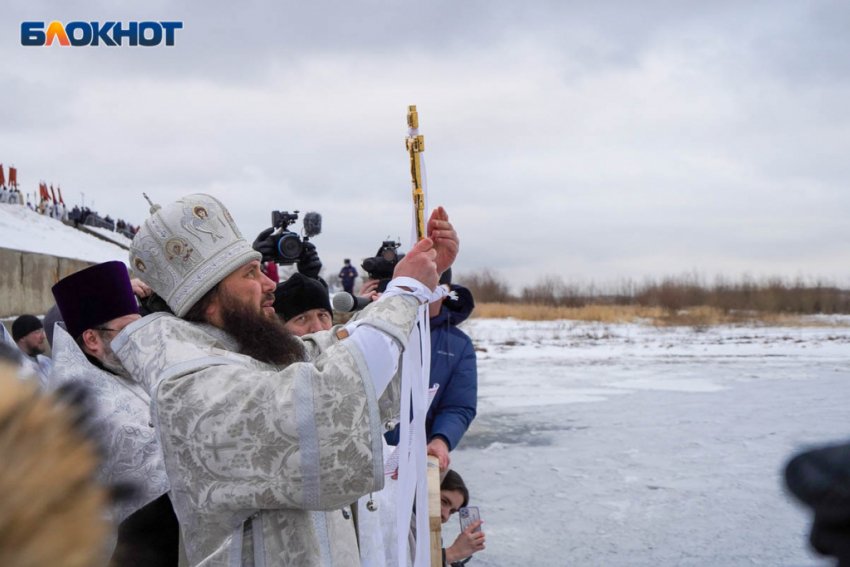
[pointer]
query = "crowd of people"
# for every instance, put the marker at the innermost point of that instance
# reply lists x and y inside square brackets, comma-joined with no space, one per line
[86,216]
[232,411]
[202,413]
[12,196]
[48,204]
[45,204]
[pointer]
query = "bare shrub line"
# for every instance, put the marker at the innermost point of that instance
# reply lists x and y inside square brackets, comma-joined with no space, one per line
[688,299]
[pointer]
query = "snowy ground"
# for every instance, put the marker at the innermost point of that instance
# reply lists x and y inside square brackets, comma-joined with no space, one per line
[630,445]
[23,229]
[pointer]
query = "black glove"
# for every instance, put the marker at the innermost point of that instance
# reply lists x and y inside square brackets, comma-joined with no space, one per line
[266,244]
[309,263]
[153,304]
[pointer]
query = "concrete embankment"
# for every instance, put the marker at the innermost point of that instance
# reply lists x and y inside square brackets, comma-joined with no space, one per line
[26,279]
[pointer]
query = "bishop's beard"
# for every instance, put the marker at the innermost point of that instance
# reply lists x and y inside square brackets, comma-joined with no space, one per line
[259,336]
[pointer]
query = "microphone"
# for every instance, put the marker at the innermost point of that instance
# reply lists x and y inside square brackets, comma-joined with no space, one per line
[344,302]
[312,224]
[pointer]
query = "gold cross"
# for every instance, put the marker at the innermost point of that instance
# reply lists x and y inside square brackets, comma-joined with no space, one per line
[415,145]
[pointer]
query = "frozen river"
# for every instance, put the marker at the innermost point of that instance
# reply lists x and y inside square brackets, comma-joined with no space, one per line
[631,445]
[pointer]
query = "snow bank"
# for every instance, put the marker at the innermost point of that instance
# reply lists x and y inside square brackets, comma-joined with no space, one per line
[28,231]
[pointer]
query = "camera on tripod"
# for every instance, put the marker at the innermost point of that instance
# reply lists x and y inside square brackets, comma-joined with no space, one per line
[381,266]
[289,244]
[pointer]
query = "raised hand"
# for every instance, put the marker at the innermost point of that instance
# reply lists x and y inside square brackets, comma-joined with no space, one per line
[446,242]
[466,544]
[370,290]
[140,288]
[309,263]
[420,264]
[266,245]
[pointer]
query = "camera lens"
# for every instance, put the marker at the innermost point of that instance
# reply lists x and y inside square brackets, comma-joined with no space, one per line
[289,247]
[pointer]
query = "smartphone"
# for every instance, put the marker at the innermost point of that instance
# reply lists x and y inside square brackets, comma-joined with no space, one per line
[468,516]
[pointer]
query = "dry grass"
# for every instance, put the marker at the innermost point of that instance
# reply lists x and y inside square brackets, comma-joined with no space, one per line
[692,317]
[598,313]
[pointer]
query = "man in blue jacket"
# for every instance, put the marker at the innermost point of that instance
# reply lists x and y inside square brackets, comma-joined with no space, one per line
[348,274]
[454,368]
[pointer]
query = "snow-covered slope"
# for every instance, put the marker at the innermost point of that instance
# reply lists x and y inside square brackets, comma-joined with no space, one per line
[23,229]
[111,235]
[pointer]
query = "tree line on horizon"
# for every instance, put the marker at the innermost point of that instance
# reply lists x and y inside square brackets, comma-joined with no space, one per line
[673,293]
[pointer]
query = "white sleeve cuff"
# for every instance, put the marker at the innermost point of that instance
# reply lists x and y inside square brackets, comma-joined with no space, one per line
[419,290]
[380,352]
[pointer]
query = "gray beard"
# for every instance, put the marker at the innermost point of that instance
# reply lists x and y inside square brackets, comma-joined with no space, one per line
[112,363]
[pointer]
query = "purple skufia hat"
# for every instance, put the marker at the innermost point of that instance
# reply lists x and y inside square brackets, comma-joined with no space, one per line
[95,296]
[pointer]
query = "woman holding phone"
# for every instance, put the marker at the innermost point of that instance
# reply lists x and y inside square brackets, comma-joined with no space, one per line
[453,496]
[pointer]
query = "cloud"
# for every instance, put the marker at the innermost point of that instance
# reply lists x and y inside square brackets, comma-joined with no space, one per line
[605,140]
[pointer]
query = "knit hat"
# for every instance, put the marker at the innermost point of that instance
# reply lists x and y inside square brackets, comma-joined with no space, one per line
[184,249]
[24,325]
[299,294]
[446,278]
[95,296]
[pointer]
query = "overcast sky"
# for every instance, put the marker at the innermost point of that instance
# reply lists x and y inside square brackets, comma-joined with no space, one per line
[594,140]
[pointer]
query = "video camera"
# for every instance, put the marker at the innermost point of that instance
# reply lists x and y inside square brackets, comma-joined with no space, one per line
[382,265]
[288,244]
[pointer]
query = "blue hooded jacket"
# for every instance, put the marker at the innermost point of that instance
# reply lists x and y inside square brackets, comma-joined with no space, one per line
[454,368]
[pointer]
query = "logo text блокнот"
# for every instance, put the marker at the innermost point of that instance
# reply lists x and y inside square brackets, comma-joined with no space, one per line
[77,34]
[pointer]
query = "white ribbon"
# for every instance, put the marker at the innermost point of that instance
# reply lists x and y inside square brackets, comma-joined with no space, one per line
[413,459]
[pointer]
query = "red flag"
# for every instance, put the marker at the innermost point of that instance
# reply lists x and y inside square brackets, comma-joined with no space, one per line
[59,190]
[13,177]
[2,177]
[52,192]
[42,190]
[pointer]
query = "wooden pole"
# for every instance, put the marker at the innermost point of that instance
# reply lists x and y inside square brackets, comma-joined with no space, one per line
[415,144]
[435,520]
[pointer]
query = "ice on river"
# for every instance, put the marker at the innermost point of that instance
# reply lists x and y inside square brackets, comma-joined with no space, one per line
[632,445]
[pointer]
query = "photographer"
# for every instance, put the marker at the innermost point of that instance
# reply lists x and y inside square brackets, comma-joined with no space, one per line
[302,301]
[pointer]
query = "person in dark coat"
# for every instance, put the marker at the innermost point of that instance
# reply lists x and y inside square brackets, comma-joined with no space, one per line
[454,367]
[95,305]
[348,274]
